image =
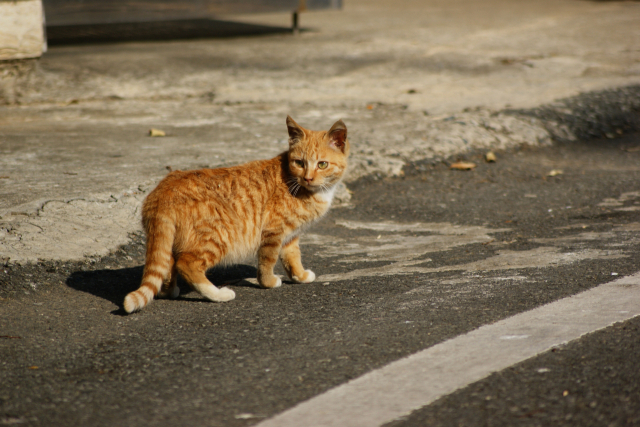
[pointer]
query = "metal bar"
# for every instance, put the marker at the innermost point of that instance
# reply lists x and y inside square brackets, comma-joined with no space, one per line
[295,27]
[87,12]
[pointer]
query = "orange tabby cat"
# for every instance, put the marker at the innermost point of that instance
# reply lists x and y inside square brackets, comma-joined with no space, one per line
[197,219]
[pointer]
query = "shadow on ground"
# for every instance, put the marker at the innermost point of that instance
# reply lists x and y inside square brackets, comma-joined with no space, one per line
[114,285]
[153,31]
[111,285]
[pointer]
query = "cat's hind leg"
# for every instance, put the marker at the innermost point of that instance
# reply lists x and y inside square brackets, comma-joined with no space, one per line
[292,263]
[267,258]
[193,268]
[170,287]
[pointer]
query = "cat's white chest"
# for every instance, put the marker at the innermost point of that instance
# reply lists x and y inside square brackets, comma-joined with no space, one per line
[323,196]
[327,195]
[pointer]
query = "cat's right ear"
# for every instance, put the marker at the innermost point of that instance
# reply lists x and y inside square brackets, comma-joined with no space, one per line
[338,135]
[295,131]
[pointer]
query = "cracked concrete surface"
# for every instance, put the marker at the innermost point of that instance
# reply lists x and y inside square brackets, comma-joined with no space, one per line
[107,155]
[413,81]
[404,249]
[66,230]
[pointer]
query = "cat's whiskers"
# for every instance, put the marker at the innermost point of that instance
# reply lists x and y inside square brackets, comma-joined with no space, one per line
[294,186]
[291,182]
[325,187]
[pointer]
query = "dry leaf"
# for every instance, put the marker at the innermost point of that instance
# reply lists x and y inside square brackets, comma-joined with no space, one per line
[248,416]
[555,172]
[463,166]
[156,132]
[490,157]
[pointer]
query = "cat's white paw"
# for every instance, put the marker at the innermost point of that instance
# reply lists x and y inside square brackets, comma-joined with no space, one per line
[277,282]
[308,277]
[225,294]
[218,295]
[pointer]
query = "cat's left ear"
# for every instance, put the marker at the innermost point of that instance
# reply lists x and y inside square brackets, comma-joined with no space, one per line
[338,135]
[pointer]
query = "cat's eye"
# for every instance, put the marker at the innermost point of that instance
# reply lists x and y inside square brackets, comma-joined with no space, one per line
[323,165]
[298,163]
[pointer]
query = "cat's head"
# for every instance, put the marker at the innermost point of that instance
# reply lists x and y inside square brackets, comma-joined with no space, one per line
[317,159]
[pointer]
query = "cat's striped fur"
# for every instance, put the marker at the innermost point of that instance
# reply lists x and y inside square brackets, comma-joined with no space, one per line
[197,219]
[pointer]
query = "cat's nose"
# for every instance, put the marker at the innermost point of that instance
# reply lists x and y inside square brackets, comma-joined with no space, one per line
[308,180]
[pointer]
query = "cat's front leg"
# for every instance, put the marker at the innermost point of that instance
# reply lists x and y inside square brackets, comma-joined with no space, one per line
[267,258]
[292,262]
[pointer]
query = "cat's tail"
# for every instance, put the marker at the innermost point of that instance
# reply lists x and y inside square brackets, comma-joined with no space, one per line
[157,267]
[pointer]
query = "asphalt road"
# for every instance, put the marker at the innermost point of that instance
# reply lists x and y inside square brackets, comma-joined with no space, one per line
[411,262]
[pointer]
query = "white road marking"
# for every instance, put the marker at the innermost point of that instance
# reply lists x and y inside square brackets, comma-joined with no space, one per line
[415,381]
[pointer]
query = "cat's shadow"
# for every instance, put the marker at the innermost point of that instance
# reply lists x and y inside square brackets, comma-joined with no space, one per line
[114,285]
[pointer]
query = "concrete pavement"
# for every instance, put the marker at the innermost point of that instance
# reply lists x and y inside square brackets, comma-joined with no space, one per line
[412,80]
